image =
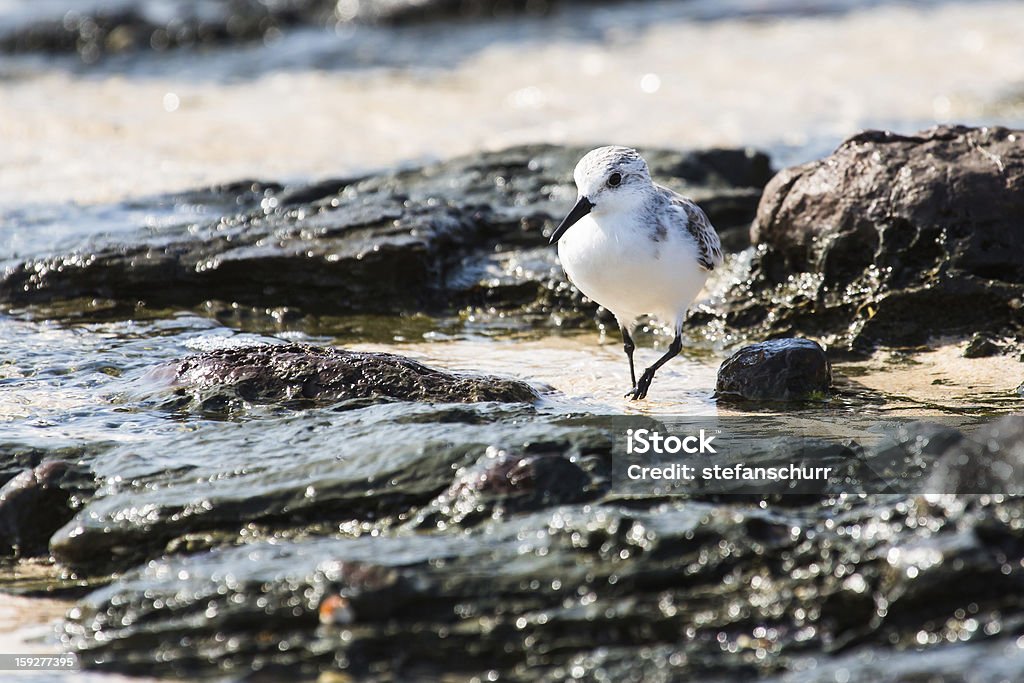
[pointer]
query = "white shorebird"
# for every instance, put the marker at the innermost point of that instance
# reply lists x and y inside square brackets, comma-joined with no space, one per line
[635,247]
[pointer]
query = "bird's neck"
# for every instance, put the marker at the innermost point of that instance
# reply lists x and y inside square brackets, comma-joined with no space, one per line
[632,213]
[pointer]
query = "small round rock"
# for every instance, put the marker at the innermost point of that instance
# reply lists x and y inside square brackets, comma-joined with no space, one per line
[789,369]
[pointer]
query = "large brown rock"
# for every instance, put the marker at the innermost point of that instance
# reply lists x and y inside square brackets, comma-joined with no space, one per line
[301,374]
[893,240]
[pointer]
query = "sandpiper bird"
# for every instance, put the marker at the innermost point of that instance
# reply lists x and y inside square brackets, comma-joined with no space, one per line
[635,247]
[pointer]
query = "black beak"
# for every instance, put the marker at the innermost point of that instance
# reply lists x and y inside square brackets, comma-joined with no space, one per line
[582,208]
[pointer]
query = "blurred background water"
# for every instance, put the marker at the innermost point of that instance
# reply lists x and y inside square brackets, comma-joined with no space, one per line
[112,99]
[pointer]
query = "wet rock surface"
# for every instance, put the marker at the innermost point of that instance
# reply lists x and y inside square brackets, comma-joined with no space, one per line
[892,240]
[992,461]
[38,502]
[306,375]
[467,234]
[501,484]
[323,526]
[666,589]
[776,370]
[316,472]
[495,544]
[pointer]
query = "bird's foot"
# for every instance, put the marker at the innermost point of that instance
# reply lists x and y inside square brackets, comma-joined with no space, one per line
[640,391]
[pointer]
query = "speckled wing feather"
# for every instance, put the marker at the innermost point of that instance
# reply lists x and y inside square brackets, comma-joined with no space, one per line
[709,248]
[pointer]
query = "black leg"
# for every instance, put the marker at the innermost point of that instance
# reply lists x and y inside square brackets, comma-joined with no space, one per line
[628,346]
[645,379]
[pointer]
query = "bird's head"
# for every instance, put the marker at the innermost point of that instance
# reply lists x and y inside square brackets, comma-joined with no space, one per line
[609,180]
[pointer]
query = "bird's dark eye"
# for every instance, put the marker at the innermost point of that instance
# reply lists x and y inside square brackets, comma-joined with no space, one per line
[614,179]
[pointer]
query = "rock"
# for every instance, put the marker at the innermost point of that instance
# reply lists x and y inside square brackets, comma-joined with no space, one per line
[983,346]
[776,370]
[892,240]
[365,592]
[16,456]
[501,483]
[300,374]
[298,473]
[466,234]
[603,590]
[16,459]
[38,502]
[990,461]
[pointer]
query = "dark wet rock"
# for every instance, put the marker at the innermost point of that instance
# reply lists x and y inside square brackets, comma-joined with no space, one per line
[363,591]
[38,502]
[983,346]
[676,590]
[989,461]
[15,459]
[305,553]
[463,235]
[17,456]
[501,484]
[776,370]
[200,541]
[404,12]
[300,374]
[993,660]
[296,473]
[892,240]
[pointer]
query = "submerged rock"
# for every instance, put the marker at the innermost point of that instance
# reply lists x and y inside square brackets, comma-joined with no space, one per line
[776,370]
[466,234]
[38,502]
[892,240]
[300,374]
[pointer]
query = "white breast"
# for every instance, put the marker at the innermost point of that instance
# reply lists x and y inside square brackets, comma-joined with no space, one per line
[632,270]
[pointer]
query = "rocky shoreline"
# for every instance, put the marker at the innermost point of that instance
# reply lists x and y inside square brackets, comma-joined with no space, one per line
[484,532]
[463,235]
[892,240]
[837,256]
[502,552]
